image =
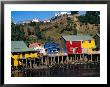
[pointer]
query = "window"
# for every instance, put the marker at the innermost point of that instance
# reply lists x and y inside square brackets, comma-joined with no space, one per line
[89,41]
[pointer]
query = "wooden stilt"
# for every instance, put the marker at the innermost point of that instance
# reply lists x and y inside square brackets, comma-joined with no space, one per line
[70,58]
[18,61]
[67,58]
[80,56]
[30,64]
[54,59]
[97,59]
[42,60]
[91,57]
[22,61]
[58,59]
[51,60]
[47,60]
[62,59]
[75,57]
[26,62]
[34,60]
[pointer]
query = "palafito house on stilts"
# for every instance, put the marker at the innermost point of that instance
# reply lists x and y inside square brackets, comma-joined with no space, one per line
[79,46]
[21,54]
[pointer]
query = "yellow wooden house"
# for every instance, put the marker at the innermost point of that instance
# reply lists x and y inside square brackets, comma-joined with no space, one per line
[19,50]
[88,44]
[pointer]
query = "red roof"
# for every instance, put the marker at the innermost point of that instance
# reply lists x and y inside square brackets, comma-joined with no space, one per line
[34,45]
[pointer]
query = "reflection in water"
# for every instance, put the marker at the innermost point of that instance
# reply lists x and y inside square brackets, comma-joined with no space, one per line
[79,70]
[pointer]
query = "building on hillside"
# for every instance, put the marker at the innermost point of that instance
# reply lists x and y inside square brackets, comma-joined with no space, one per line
[19,46]
[78,44]
[20,51]
[34,45]
[46,21]
[51,47]
[38,47]
[26,21]
[35,20]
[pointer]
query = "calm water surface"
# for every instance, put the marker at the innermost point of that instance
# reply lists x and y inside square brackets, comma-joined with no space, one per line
[79,70]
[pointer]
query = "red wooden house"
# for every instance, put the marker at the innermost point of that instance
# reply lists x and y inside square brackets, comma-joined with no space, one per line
[73,47]
[72,43]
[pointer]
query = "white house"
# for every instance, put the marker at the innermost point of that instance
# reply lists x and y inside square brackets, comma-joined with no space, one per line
[26,21]
[38,47]
[47,20]
[35,20]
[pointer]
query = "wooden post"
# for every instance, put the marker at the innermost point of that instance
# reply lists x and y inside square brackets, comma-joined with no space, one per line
[70,58]
[80,56]
[22,61]
[75,57]
[18,61]
[30,64]
[18,64]
[26,62]
[54,59]
[48,60]
[58,59]
[97,58]
[42,60]
[91,57]
[51,60]
[34,60]
[83,55]
[67,58]
[62,59]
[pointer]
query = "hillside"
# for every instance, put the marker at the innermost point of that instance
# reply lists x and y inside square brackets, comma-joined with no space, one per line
[53,30]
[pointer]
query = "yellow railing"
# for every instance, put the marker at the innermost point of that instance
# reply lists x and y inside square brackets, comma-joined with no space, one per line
[26,55]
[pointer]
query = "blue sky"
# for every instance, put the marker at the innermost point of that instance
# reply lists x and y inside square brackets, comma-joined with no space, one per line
[17,16]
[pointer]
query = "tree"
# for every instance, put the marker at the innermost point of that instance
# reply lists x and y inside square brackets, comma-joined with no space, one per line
[17,32]
[32,24]
[91,17]
[31,39]
[50,39]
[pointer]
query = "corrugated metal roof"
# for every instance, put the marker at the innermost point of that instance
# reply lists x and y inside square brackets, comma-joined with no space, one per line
[98,34]
[19,46]
[77,37]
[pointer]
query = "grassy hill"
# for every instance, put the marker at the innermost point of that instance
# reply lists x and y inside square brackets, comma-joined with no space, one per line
[52,31]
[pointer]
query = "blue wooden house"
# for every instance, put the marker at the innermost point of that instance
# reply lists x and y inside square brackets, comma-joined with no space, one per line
[52,47]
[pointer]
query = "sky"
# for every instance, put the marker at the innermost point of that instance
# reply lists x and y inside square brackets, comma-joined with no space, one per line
[17,16]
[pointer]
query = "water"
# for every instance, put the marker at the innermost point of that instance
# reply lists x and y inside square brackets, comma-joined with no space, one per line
[79,70]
